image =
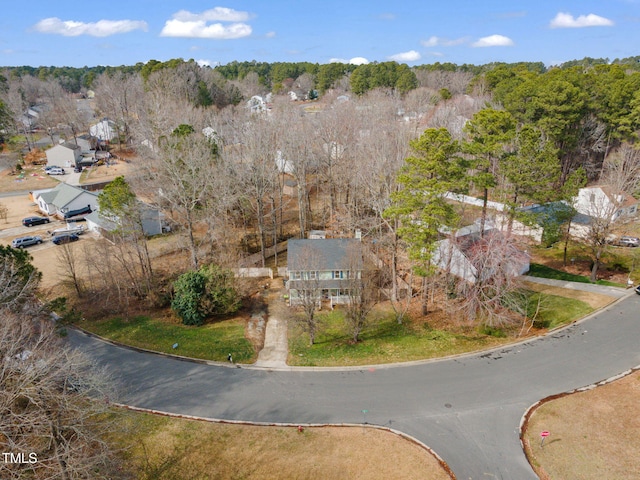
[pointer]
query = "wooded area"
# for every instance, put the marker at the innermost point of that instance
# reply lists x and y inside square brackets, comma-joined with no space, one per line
[373,148]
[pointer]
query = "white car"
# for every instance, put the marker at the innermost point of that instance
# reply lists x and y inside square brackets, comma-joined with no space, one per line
[56,171]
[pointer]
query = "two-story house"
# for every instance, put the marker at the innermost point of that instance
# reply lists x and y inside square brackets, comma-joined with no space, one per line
[323,269]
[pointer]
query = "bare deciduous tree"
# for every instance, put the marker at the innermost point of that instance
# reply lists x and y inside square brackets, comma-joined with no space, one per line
[306,289]
[494,264]
[52,404]
[69,267]
[362,290]
[4,213]
[620,179]
[117,97]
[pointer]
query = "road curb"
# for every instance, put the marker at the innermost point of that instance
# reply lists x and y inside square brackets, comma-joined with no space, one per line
[403,435]
[524,421]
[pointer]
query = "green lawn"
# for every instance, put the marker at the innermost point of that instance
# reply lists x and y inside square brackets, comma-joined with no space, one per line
[556,310]
[386,341]
[542,271]
[210,342]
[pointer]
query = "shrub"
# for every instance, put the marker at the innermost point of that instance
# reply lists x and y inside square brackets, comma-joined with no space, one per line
[205,292]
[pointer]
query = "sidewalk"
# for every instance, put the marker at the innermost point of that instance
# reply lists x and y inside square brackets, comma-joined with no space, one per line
[276,347]
[616,292]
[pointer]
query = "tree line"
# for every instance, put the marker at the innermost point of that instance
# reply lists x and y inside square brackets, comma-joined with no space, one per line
[237,181]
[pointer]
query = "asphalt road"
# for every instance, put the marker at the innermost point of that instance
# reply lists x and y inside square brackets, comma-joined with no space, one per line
[467,409]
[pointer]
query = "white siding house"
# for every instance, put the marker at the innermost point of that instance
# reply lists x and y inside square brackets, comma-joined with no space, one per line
[452,255]
[64,155]
[64,198]
[603,203]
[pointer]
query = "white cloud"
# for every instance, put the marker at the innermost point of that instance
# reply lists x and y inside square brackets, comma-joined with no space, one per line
[270,35]
[358,61]
[353,61]
[207,63]
[410,56]
[198,25]
[434,41]
[178,28]
[493,41]
[218,14]
[566,20]
[101,28]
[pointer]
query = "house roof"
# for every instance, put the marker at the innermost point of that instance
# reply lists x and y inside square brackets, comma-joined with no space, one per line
[322,254]
[621,199]
[63,194]
[101,221]
[69,145]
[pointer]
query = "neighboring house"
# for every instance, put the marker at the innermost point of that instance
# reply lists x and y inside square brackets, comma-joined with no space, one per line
[324,266]
[256,104]
[105,130]
[453,254]
[87,143]
[64,198]
[604,203]
[152,221]
[64,155]
[283,165]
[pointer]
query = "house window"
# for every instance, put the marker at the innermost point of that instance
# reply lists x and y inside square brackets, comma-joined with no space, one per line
[295,276]
[338,274]
[312,275]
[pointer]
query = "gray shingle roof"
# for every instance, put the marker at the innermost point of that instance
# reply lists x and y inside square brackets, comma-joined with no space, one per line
[323,254]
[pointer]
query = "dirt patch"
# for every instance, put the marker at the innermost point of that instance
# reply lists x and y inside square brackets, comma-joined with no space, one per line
[593,434]
[594,300]
[104,173]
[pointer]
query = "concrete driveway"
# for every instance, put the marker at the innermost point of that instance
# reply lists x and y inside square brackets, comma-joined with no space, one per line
[467,409]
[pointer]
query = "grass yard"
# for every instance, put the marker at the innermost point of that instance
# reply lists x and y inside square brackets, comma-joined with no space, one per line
[385,341]
[542,271]
[212,341]
[594,434]
[161,448]
[556,310]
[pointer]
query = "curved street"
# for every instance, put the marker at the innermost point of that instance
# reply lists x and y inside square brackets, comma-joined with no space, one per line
[467,409]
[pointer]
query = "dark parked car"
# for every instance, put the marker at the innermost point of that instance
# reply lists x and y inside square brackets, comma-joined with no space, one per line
[60,239]
[25,242]
[78,169]
[637,289]
[30,221]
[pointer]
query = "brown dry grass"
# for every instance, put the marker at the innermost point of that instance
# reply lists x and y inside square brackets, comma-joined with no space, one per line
[594,434]
[103,173]
[170,448]
[34,178]
[594,300]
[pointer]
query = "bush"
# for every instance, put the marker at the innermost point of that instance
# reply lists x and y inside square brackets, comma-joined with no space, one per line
[492,331]
[203,293]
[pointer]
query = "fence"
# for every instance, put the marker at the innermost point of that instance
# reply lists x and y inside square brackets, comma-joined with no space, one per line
[253,272]
[256,258]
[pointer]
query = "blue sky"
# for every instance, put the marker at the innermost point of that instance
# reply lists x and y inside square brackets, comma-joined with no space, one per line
[119,32]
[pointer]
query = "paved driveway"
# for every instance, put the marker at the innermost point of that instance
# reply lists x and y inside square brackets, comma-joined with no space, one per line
[467,409]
